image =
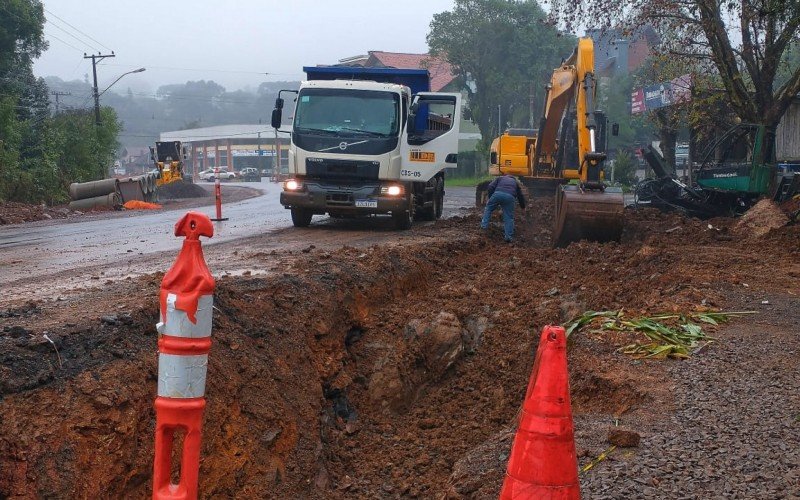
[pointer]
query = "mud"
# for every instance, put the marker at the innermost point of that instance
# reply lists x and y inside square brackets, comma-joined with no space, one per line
[182,189]
[394,370]
[13,213]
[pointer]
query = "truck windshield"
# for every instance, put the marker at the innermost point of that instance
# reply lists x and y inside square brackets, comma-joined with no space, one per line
[348,112]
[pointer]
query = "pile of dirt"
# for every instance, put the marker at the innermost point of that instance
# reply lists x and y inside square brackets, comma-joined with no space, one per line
[763,217]
[390,371]
[181,190]
[15,213]
[791,207]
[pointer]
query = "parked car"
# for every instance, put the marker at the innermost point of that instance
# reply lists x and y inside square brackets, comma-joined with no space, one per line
[250,174]
[210,175]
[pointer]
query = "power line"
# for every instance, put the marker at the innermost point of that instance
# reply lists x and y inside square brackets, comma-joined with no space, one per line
[95,58]
[62,41]
[76,29]
[91,47]
[213,70]
[57,95]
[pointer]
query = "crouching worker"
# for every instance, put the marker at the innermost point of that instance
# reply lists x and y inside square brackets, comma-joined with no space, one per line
[505,192]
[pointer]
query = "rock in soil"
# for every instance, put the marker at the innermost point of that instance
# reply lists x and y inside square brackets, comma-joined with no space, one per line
[624,438]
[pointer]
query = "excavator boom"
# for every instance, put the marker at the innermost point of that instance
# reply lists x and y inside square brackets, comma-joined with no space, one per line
[585,209]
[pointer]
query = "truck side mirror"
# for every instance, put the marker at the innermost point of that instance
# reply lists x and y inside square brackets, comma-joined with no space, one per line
[276,117]
[467,113]
[615,129]
[277,113]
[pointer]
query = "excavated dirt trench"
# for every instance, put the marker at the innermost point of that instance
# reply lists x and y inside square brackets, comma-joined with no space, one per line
[385,372]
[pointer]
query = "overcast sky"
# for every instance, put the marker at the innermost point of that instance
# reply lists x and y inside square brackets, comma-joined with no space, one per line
[232,42]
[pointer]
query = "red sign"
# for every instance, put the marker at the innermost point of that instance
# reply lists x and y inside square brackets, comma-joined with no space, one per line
[637,101]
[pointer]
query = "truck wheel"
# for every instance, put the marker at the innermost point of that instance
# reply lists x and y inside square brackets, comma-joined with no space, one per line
[301,217]
[405,218]
[438,201]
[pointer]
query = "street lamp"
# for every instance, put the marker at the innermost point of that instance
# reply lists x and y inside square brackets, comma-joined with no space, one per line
[120,78]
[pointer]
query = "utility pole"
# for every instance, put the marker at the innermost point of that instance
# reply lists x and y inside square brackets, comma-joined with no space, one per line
[276,169]
[499,127]
[58,94]
[95,58]
[531,97]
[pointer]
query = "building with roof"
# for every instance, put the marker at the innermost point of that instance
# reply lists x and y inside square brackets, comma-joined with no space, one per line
[441,72]
[232,147]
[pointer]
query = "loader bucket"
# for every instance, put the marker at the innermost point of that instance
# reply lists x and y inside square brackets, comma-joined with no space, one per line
[587,215]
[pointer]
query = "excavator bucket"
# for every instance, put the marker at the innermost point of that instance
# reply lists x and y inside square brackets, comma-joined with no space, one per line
[587,215]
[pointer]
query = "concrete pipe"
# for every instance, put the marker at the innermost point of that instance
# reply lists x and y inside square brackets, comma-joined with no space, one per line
[93,189]
[111,200]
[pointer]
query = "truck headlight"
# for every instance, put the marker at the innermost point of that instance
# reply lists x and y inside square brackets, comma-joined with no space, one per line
[292,185]
[392,190]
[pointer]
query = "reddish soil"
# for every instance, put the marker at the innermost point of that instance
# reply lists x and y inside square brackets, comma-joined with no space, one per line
[391,371]
[12,212]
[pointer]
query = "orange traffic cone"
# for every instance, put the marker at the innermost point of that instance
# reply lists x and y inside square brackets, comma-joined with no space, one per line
[543,463]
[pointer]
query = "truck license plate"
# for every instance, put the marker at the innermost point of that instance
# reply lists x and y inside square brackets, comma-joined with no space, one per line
[366,203]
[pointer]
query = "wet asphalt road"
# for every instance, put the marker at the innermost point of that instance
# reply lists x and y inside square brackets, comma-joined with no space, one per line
[84,244]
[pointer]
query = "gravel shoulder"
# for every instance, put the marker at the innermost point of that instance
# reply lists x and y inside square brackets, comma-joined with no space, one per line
[735,429]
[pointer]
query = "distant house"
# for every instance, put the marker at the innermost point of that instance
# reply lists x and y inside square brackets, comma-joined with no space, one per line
[617,52]
[442,77]
[135,159]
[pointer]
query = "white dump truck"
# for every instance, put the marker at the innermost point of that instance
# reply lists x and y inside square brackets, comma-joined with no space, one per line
[368,141]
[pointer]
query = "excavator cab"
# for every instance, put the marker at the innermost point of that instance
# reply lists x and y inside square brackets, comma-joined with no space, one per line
[586,209]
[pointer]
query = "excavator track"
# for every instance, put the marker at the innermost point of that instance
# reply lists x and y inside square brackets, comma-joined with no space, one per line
[587,215]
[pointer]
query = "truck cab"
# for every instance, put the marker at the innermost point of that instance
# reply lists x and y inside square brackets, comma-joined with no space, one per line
[369,146]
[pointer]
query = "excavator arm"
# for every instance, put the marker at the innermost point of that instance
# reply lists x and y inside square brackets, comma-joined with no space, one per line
[586,210]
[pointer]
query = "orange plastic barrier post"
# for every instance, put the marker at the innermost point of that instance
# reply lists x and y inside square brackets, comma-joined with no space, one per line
[218,197]
[543,463]
[187,301]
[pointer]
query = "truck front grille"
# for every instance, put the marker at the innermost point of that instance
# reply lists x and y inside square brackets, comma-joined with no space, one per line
[342,199]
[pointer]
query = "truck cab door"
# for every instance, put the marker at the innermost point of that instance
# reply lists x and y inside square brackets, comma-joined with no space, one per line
[430,139]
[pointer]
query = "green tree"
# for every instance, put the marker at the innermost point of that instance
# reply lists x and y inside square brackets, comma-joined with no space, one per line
[21,35]
[505,54]
[741,41]
[625,168]
[614,96]
[40,155]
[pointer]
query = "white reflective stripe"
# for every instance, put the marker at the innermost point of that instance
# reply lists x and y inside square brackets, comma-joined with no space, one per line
[182,376]
[177,322]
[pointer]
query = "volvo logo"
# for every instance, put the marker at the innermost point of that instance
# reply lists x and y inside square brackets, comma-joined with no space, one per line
[342,145]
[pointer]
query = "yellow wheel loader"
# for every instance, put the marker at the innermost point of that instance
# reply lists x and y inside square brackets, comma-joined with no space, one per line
[168,158]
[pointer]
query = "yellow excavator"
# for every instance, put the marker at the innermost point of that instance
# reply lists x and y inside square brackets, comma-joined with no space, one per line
[565,155]
[168,157]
